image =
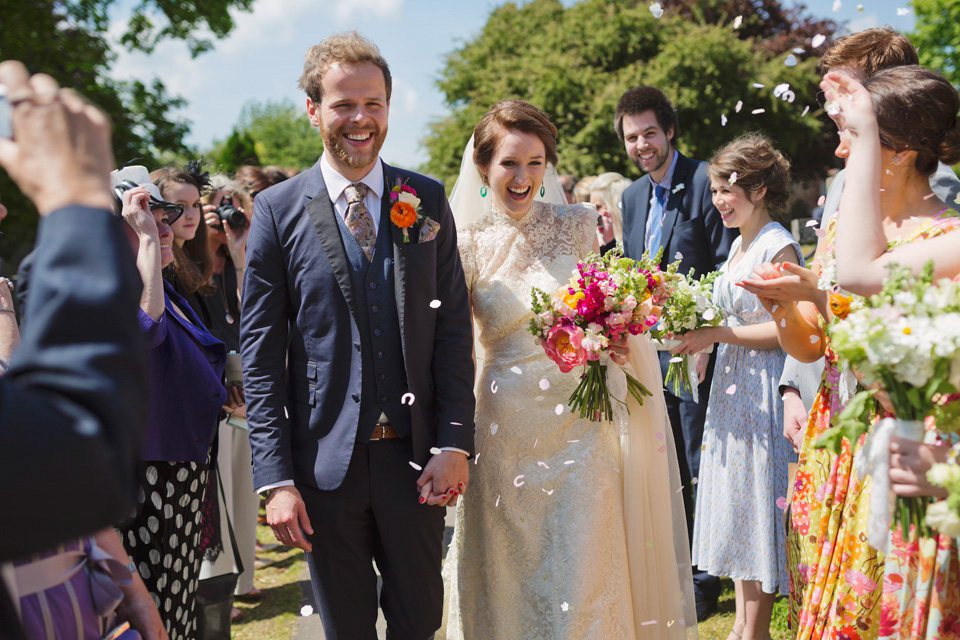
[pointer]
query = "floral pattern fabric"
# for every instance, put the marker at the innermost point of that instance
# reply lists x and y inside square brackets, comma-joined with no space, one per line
[841,587]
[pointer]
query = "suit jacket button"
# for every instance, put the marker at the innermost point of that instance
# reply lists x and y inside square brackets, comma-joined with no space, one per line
[383,398]
[356,397]
[380,355]
[373,285]
[375,308]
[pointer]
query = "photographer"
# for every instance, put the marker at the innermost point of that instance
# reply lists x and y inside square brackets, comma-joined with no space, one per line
[72,402]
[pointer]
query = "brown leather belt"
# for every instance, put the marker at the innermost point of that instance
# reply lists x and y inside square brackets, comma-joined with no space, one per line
[384,432]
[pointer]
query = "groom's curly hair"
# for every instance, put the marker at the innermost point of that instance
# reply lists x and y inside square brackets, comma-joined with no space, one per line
[345,48]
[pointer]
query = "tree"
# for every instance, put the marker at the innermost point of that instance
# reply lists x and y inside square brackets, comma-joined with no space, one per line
[238,149]
[937,36]
[576,62]
[280,134]
[68,40]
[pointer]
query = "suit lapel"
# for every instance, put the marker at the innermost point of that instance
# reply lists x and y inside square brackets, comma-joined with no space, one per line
[674,199]
[644,206]
[323,216]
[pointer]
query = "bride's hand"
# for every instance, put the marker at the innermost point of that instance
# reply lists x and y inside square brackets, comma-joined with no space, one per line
[620,349]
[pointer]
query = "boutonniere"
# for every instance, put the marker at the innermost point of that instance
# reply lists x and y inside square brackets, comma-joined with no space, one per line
[405,211]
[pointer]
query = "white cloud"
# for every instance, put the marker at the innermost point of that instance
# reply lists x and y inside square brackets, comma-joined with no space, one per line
[346,10]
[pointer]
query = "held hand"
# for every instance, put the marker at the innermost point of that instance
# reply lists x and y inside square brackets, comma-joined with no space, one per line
[235,401]
[444,478]
[701,360]
[794,418]
[693,342]
[855,115]
[287,516]
[909,462]
[60,153]
[620,349]
[136,212]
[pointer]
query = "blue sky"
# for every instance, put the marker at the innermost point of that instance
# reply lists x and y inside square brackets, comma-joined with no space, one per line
[263,57]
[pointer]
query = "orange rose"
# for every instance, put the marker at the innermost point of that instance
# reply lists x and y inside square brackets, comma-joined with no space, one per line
[403,214]
[840,305]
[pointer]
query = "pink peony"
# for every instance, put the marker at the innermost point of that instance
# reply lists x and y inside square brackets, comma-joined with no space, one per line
[564,346]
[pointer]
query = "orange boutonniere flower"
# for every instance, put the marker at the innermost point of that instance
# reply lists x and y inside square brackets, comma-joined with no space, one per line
[405,211]
[840,305]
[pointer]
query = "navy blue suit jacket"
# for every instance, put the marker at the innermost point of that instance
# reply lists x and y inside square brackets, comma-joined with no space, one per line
[73,404]
[691,224]
[301,342]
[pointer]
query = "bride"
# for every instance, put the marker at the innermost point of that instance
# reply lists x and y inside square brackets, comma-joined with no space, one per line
[569,529]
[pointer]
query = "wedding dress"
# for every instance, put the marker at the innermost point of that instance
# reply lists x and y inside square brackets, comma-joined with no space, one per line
[568,529]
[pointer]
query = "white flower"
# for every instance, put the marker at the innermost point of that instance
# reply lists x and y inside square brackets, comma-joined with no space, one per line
[656,9]
[944,474]
[943,519]
[409,198]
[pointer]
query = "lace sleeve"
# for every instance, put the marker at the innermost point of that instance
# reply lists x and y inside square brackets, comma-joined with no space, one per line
[467,248]
[581,225]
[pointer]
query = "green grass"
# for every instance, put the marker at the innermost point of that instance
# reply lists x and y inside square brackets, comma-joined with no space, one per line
[718,626]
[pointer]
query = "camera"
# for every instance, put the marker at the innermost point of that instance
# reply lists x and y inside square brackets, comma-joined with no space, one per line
[230,214]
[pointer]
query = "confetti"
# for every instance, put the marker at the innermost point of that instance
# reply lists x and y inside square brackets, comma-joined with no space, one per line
[542,464]
[806,110]
[928,196]
[549,493]
[753,371]
[859,8]
[407,396]
[647,623]
[493,386]
[662,449]
[723,119]
[832,108]
[889,173]
[572,441]
[657,11]
[737,22]
[814,339]
[659,435]
[544,384]
[306,610]
[434,304]
[726,370]
[732,389]
[539,398]
[671,623]
[535,443]
[783,322]
[780,88]
[476,459]
[498,501]
[459,424]
[680,187]
[837,5]
[757,112]
[818,39]
[782,503]
[676,359]
[518,481]
[753,353]
[821,200]
[812,223]
[517,370]
[558,409]
[757,85]
[564,606]
[416,466]
[791,60]
[678,256]
[738,106]
[820,233]
[694,480]
[709,314]
[799,50]
[733,178]
[566,462]
[436,450]
[902,11]
[493,428]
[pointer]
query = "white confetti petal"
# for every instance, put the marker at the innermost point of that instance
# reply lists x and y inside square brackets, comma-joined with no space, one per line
[544,384]
[493,428]
[558,409]
[680,187]
[791,60]
[656,9]
[498,501]
[821,200]
[783,322]
[812,223]
[757,85]
[737,22]
[676,359]
[757,111]
[726,369]
[733,178]
[780,88]
[407,397]
[753,371]
[540,463]
[416,466]
[572,441]
[774,308]
[818,39]
[723,119]
[732,389]
[647,623]
[459,424]
[739,106]
[799,50]
[753,353]
[789,96]
[568,462]
[889,173]
[518,481]
[902,11]
[564,606]
[837,5]
[434,304]
[709,314]
[539,398]
[306,610]
[516,370]
[549,493]
[806,110]
[694,480]
[814,339]
[493,386]
[436,450]
[476,459]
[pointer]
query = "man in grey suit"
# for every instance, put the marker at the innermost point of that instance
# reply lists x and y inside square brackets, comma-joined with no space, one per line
[357,352]
[671,208]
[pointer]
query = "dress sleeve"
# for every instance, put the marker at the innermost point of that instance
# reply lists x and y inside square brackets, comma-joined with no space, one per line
[583,226]
[467,247]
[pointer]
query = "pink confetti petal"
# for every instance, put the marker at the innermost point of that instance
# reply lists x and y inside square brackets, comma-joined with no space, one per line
[821,200]
[662,448]
[732,389]
[928,196]
[820,233]
[544,384]
[647,623]
[659,435]
[782,503]
[814,339]
[558,409]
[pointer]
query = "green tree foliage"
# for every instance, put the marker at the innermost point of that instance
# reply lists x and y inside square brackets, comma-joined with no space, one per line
[238,149]
[937,36]
[68,40]
[280,134]
[576,62]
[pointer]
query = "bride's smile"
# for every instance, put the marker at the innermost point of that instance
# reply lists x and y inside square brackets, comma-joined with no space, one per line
[516,172]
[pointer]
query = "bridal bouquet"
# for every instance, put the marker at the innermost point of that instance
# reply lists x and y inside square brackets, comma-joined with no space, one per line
[607,298]
[944,516]
[906,339]
[690,306]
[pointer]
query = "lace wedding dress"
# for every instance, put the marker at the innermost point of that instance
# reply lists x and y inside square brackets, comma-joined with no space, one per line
[567,530]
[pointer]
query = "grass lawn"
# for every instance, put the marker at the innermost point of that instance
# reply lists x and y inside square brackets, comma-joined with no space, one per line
[718,626]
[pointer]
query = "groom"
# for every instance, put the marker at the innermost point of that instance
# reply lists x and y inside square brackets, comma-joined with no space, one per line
[357,353]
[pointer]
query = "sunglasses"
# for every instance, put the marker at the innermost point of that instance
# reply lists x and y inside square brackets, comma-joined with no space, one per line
[171,212]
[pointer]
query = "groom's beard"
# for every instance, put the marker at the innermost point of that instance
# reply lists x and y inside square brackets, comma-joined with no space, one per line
[353,158]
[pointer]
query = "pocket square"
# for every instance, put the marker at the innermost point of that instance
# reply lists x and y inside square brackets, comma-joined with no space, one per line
[429,230]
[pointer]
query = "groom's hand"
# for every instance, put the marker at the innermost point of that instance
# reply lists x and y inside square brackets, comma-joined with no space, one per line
[444,478]
[287,516]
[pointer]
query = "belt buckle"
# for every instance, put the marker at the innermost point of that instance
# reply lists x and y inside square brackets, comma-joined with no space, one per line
[381,436]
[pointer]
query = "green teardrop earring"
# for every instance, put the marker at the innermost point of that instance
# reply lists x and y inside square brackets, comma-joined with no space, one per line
[542,191]
[483,191]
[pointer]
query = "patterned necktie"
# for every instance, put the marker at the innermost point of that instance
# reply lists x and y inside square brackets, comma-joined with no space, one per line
[656,219]
[358,220]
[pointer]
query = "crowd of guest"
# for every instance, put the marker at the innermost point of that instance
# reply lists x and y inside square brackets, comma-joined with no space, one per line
[154,405]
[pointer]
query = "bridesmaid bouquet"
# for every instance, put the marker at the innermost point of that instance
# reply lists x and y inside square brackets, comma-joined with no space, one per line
[689,307]
[607,298]
[906,340]
[944,516]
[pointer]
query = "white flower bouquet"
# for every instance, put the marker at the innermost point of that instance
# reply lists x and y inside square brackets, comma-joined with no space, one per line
[690,306]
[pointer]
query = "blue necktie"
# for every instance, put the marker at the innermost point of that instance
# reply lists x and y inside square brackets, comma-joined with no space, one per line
[656,219]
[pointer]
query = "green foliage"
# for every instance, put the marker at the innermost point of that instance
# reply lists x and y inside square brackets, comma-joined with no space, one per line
[576,62]
[282,135]
[937,36]
[68,40]
[238,149]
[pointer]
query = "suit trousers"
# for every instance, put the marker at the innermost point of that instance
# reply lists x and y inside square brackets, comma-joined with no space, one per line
[686,420]
[375,515]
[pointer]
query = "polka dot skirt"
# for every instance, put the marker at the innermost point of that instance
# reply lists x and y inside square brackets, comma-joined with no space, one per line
[163,538]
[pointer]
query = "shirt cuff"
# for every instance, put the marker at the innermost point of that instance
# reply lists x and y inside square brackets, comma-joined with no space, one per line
[455,449]
[283,483]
